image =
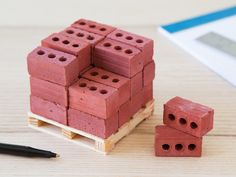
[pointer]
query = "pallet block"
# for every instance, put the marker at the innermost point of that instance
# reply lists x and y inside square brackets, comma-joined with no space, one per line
[87,140]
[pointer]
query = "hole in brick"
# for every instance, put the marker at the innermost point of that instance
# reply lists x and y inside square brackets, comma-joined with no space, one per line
[55,39]
[103,92]
[75,45]
[107,44]
[51,55]
[193,125]
[82,23]
[118,48]
[80,34]
[105,77]
[90,37]
[65,42]
[171,117]
[103,29]
[191,147]
[70,31]
[115,80]
[40,52]
[166,147]
[82,84]
[129,38]
[182,121]
[119,34]
[128,51]
[51,110]
[62,59]
[94,73]
[139,41]
[92,26]
[93,88]
[178,147]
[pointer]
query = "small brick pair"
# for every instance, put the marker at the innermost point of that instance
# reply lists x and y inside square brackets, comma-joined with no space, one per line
[186,123]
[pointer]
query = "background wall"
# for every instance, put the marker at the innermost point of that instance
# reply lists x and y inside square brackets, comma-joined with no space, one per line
[116,12]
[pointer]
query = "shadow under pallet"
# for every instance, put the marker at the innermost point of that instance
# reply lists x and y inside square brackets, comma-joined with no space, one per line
[85,139]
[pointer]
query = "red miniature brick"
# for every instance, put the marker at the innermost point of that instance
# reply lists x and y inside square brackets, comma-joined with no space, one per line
[94,98]
[147,93]
[187,116]
[125,113]
[49,91]
[53,66]
[174,143]
[79,48]
[102,128]
[148,73]
[79,34]
[136,83]
[116,81]
[142,43]
[136,103]
[93,27]
[118,57]
[48,109]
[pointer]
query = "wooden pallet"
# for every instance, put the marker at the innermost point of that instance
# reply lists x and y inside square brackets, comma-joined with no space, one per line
[85,139]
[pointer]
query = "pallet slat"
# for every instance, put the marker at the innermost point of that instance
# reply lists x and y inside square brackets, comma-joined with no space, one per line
[85,139]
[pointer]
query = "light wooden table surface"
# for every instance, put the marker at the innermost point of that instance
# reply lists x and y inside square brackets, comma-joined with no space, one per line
[177,73]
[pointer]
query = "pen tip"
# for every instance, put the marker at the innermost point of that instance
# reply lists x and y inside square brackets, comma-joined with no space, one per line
[57,155]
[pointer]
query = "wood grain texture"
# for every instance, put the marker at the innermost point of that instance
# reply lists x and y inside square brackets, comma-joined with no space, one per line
[177,73]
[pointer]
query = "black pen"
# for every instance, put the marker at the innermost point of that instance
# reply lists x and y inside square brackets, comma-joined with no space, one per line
[25,151]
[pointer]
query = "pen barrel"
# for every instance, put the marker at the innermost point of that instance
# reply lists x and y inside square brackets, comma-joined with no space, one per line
[24,151]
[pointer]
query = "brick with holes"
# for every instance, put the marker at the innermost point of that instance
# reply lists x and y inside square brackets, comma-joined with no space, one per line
[102,128]
[142,43]
[136,83]
[52,65]
[116,81]
[79,48]
[94,98]
[49,91]
[93,27]
[170,142]
[49,110]
[79,34]
[125,113]
[118,57]
[148,73]
[187,116]
[147,93]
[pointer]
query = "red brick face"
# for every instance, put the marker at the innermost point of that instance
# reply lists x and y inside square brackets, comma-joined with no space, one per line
[93,27]
[142,43]
[188,116]
[52,65]
[118,57]
[79,48]
[148,73]
[170,142]
[94,98]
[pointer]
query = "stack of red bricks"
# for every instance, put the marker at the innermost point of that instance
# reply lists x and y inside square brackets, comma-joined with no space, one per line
[91,76]
[186,123]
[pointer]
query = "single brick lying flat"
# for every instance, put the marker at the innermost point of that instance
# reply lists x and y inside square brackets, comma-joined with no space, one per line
[187,116]
[116,81]
[79,34]
[79,48]
[91,124]
[93,27]
[170,142]
[48,109]
[94,98]
[118,57]
[49,91]
[52,65]
[142,43]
